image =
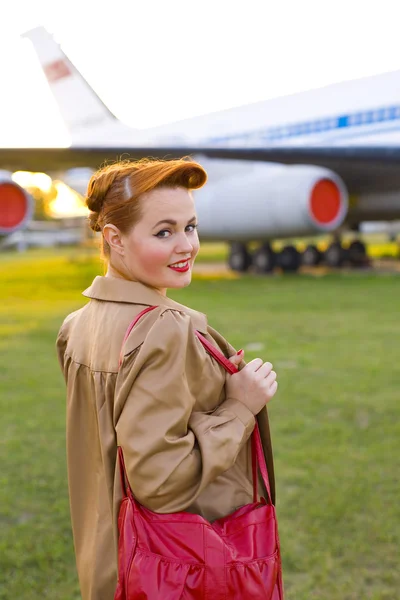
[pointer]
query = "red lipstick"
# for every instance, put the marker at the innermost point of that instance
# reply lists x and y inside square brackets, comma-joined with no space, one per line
[181,269]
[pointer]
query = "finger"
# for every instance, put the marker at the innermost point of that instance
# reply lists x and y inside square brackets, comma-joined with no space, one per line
[237,358]
[270,378]
[254,364]
[265,369]
[272,390]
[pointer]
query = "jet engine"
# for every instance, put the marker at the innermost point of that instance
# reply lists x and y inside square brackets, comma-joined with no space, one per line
[260,202]
[77,179]
[16,205]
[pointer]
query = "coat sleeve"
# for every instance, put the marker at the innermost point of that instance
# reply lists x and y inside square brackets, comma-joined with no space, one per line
[171,451]
[61,346]
[62,341]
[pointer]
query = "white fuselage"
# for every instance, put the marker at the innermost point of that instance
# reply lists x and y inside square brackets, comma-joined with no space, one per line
[245,200]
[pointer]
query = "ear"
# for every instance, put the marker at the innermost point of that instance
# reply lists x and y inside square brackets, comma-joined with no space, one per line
[113,237]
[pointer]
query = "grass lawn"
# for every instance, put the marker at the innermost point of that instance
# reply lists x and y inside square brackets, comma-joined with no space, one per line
[334,341]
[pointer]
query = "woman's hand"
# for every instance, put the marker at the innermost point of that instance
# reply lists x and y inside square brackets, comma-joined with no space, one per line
[254,385]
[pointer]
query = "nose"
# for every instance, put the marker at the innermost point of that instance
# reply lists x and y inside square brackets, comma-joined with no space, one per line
[183,245]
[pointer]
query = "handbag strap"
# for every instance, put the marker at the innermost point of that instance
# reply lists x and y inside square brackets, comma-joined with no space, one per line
[258,458]
[126,488]
[257,452]
[131,326]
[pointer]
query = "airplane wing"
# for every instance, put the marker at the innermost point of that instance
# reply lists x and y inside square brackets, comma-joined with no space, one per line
[371,169]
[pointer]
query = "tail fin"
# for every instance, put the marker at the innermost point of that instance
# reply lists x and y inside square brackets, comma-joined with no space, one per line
[80,106]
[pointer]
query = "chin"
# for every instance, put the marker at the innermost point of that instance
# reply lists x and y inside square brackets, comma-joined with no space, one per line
[176,283]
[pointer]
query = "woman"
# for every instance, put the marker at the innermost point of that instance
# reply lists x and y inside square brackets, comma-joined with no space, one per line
[182,422]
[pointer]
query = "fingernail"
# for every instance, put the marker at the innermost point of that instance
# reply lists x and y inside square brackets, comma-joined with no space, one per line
[240,351]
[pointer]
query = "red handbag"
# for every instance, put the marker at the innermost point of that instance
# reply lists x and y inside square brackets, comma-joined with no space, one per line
[182,556]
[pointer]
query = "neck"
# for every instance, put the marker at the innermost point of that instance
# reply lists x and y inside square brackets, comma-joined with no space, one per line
[113,271]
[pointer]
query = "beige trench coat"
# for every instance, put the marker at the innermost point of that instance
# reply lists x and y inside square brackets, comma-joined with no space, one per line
[186,445]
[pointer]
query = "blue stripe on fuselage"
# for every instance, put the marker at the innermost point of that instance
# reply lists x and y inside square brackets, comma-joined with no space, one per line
[339,123]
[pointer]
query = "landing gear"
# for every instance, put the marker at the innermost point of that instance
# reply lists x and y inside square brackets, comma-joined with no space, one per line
[357,254]
[311,256]
[264,259]
[239,257]
[289,259]
[335,255]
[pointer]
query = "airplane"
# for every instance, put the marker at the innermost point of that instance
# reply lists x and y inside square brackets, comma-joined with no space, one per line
[310,163]
[16,205]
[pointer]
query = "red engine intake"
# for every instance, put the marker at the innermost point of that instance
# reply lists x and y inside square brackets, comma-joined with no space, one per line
[16,206]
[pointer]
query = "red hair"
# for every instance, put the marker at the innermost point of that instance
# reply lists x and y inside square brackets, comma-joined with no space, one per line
[114,191]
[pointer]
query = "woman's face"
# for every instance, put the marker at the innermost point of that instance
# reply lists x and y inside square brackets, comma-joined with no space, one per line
[165,236]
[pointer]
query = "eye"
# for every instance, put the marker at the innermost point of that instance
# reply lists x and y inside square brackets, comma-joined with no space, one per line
[160,233]
[192,227]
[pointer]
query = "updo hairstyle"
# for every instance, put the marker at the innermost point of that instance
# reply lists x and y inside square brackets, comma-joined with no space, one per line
[114,191]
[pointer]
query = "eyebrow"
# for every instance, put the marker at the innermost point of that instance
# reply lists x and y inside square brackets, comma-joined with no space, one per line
[172,222]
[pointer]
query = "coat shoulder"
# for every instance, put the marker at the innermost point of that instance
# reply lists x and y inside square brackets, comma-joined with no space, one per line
[161,325]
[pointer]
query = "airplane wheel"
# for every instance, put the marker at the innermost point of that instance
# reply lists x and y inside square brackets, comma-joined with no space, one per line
[357,253]
[335,255]
[311,256]
[289,259]
[239,257]
[264,259]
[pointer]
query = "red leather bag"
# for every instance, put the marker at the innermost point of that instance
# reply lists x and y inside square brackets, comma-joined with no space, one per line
[182,556]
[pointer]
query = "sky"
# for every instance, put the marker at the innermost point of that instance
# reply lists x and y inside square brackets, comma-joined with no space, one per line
[156,61]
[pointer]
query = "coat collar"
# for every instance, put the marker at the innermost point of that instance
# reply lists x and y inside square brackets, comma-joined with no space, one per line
[113,289]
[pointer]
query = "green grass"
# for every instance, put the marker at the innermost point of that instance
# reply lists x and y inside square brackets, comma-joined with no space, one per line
[334,341]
